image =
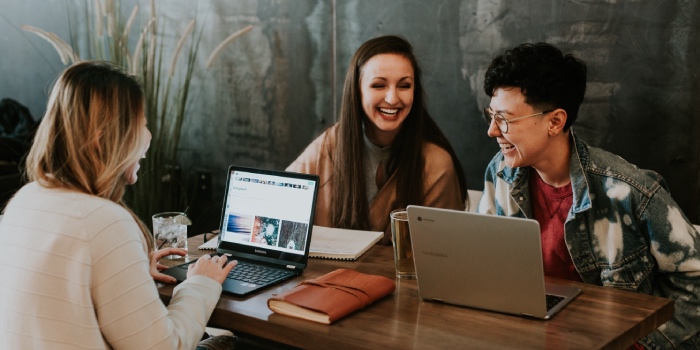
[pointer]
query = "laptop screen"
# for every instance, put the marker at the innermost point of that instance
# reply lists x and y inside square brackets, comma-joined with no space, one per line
[268,215]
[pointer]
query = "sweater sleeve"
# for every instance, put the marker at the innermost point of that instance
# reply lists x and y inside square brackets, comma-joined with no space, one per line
[316,159]
[127,306]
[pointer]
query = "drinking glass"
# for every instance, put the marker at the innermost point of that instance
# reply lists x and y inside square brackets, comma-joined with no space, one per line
[401,238]
[170,231]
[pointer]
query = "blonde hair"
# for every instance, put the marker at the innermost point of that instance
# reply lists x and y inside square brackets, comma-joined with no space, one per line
[90,133]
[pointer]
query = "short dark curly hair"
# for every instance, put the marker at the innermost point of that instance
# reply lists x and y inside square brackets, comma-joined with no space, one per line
[548,78]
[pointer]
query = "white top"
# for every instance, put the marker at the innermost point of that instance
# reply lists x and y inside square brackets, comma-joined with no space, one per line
[75,275]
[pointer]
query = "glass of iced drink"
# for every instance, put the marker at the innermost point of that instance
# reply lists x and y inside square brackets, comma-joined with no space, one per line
[170,231]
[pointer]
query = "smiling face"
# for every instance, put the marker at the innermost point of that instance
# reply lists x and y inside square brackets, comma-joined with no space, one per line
[527,141]
[387,88]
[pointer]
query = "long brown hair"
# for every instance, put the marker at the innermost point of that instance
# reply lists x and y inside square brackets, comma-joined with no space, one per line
[90,133]
[349,203]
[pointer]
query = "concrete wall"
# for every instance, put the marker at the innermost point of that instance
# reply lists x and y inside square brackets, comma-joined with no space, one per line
[276,88]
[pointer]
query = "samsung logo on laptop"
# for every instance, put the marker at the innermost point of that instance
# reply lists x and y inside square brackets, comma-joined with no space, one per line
[260,251]
[435,254]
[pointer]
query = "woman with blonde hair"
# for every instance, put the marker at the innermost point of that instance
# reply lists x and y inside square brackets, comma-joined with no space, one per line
[78,266]
[385,152]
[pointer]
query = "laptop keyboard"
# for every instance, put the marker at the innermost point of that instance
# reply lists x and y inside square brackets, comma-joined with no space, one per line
[553,300]
[251,273]
[257,274]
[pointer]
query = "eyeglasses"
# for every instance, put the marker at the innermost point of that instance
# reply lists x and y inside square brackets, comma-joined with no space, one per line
[502,122]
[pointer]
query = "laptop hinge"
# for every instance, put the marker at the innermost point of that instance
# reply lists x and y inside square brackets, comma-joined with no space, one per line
[291,267]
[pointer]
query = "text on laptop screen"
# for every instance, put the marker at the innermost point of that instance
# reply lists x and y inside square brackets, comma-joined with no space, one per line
[268,211]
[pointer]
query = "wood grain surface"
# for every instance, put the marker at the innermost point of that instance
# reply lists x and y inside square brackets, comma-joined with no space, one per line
[599,318]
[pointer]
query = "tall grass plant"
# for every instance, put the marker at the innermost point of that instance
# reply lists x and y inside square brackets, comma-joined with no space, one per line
[166,78]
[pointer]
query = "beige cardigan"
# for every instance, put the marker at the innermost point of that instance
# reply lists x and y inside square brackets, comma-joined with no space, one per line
[441,186]
[75,275]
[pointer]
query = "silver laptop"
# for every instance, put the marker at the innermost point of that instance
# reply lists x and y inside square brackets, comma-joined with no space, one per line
[266,223]
[483,261]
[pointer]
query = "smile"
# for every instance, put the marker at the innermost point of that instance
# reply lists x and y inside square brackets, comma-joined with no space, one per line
[506,146]
[389,111]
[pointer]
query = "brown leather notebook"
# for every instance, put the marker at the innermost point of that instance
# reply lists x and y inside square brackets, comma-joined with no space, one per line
[332,296]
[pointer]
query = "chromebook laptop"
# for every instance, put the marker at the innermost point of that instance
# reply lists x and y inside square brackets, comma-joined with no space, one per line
[266,223]
[483,261]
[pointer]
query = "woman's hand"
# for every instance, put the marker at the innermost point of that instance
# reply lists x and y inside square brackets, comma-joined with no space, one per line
[215,267]
[156,267]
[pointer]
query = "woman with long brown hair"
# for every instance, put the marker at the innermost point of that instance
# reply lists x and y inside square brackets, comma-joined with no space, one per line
[385,152]
[78,266]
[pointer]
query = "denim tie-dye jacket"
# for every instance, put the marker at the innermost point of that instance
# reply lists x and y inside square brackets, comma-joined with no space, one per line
[623,230]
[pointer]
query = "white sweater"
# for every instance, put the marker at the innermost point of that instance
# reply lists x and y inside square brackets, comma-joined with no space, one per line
[74,274]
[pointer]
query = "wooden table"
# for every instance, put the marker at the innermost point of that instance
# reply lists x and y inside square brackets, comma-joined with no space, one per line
[599,318]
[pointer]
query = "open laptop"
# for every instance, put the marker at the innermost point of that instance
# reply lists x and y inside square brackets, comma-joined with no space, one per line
[266,223]
[483,261]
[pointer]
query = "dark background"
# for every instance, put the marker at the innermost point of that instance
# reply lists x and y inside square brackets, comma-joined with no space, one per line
[278,87]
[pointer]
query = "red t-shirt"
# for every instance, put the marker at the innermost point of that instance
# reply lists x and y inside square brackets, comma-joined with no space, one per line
[550,206]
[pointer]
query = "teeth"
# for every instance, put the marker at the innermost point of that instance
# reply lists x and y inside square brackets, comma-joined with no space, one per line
[389,111]
[505,145]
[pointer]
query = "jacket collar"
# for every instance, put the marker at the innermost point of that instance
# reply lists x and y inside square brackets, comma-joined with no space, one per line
[578,161]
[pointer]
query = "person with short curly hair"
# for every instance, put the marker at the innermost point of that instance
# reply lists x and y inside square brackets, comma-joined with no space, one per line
[603,220]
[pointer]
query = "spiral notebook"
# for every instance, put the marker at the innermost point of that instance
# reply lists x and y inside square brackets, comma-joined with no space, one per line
[341,244]
[211,244]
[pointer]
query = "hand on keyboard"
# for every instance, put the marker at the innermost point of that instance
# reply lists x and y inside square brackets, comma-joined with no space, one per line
[215,267]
